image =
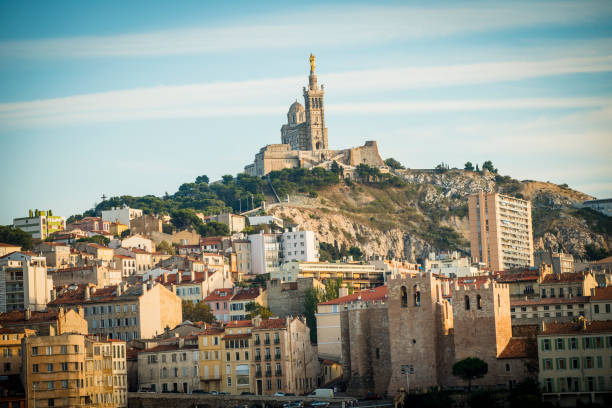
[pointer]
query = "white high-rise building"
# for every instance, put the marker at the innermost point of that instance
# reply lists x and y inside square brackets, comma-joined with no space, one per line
[24,283]
[265,253]
[299,246]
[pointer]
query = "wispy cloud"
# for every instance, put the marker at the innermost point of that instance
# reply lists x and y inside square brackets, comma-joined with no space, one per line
[270,96]
[334,26]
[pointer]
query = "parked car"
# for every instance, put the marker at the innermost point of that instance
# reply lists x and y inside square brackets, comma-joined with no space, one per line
[246,393]
[293,404]
[319,404]
[199,392]
[323,392]
[279,394]
[213,392]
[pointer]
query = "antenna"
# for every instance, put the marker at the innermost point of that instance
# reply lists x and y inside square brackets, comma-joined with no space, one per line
[103,197]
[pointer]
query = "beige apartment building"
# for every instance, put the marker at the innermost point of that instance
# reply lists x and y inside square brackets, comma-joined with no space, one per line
[575,361]
[24,283]
[211,347]
[10,349]
[47,323]
[169,368]
[501,233]
[8,248]
[124,312]
[56,254]
[70,370]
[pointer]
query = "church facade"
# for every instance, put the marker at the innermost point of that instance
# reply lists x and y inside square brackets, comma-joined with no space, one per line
[304,141]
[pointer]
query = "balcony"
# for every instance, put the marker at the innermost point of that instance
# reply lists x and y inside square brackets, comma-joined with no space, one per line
[257,342]
[267,342]
[277,356]
[269,373]
[276,341]
[268,357]
[258,374]
[257,358]
[278,372]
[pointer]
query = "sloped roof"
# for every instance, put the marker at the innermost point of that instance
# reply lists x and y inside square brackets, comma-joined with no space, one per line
[597,326]
[549,301]
[239,323]
[18,317]
[563,278]
[516,348]
[273,323]
[218,295]
[368,295]
[602,293]
[246,294]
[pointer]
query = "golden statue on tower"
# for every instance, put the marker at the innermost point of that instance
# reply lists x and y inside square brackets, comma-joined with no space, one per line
[312,63]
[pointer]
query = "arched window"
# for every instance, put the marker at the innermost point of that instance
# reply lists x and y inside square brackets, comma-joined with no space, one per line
[404,297]
[417,295]
[478,302]
[467,302]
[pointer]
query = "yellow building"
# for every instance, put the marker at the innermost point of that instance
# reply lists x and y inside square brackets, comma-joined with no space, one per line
[10,349]
[211,347]
[237,371]
[8,248]
[71,370]
[575,361]
[116,228]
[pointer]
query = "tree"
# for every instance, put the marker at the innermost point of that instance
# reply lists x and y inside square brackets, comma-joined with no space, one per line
[126,233]
[477,169]
[394,164]
[594,252]
[312,297]
[15,236]
[164,246]
[488,165]
[96,239]
[185,218]
[197,312]
[255,309]
[355,252]
[470,369]
[213,229]
[167,228]
[202,179]
[468,166]
[334,167]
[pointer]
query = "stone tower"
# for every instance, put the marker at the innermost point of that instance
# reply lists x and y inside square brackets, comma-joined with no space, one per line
[316,132]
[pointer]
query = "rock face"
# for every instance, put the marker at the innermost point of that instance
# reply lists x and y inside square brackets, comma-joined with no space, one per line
[405,222]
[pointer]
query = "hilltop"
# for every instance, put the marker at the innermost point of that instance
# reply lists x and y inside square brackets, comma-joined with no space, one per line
[406,213]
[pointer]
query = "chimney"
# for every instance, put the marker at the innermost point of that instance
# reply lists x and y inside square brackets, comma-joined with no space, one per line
[27,314]
[87,293]
[53,294]
[192,276]
[584,324]
[144,288]
[165,277]
[119,289]
[179,277]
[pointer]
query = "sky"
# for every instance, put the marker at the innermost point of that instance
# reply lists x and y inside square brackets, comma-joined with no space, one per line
[139,97]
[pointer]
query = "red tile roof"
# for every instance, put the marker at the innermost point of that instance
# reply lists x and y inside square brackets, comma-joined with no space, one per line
[602,326]
[368,295]
[18,317]
[218,295]
[605,260]
[516,348]
[236,336]
[239,323]
[246,294]
[273,323]
[602,293]
[171,278]
[563,278]
[523,276]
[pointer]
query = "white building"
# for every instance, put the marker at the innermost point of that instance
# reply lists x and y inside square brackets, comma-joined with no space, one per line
[603,206]
[450,265]
[122,215]
[265,253]
[138,241]
[24,283]
[265,219]
[40,224]
[299,246]
[120,381]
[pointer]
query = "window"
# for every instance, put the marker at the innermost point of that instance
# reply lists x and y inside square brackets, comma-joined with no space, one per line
[229,381]
[51,401]
[548,387]
[559,344]
[588,362]
[572,343]
[50,385]
[478,302]
[64,383]
[404,296]
[547,364]
[34,368]
[49,350]
[50,367]
[545,344]
[574,363]
[596,308]
[561,364]
[64,366]
[417,295]
[599,360]
[467,302]
[34,351]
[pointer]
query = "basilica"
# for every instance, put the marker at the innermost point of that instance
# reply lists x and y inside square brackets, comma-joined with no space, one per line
[304,139]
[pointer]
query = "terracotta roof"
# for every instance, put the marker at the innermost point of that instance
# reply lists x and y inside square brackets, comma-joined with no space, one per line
[122,256]
[523,276]
[246,294]
[18,317]
[605,260]
[236,336]
[599,326]
[473,280]
[217,295]
[169,347]
[368,295]
[516,348]
[211,330]
[549,301]
[602,293]
[563,277]
[171,278]
[273,323]
[239,323]
[139,251]
[2,244]
[75,294]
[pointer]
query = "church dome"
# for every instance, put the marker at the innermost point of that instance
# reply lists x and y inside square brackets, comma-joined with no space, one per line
[296,113]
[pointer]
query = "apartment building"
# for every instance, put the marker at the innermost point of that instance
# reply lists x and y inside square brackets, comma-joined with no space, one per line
[92,224]
[299,245]
[211,349]
[138,241]
[126,264]
[194,286]
[575,361]
[169,368]
[47,323]
[219,301]
[24,283]
[119,372]
[40,224]
[10,349]
[242,297]
[123,215]
[237,372]
[124,312]
[242,249]
[567,285]
[8,248]
[534,311]
[69,370]
[56,254]
[501,234]
[601,304]
[265,253]
[560,262]
[358,275]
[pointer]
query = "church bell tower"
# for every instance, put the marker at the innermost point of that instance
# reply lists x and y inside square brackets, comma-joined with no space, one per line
[316,132]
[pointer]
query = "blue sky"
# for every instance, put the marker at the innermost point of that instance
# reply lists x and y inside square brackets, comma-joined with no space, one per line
[139,97]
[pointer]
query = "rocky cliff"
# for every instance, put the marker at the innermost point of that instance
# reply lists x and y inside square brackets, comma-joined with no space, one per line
[430,213]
